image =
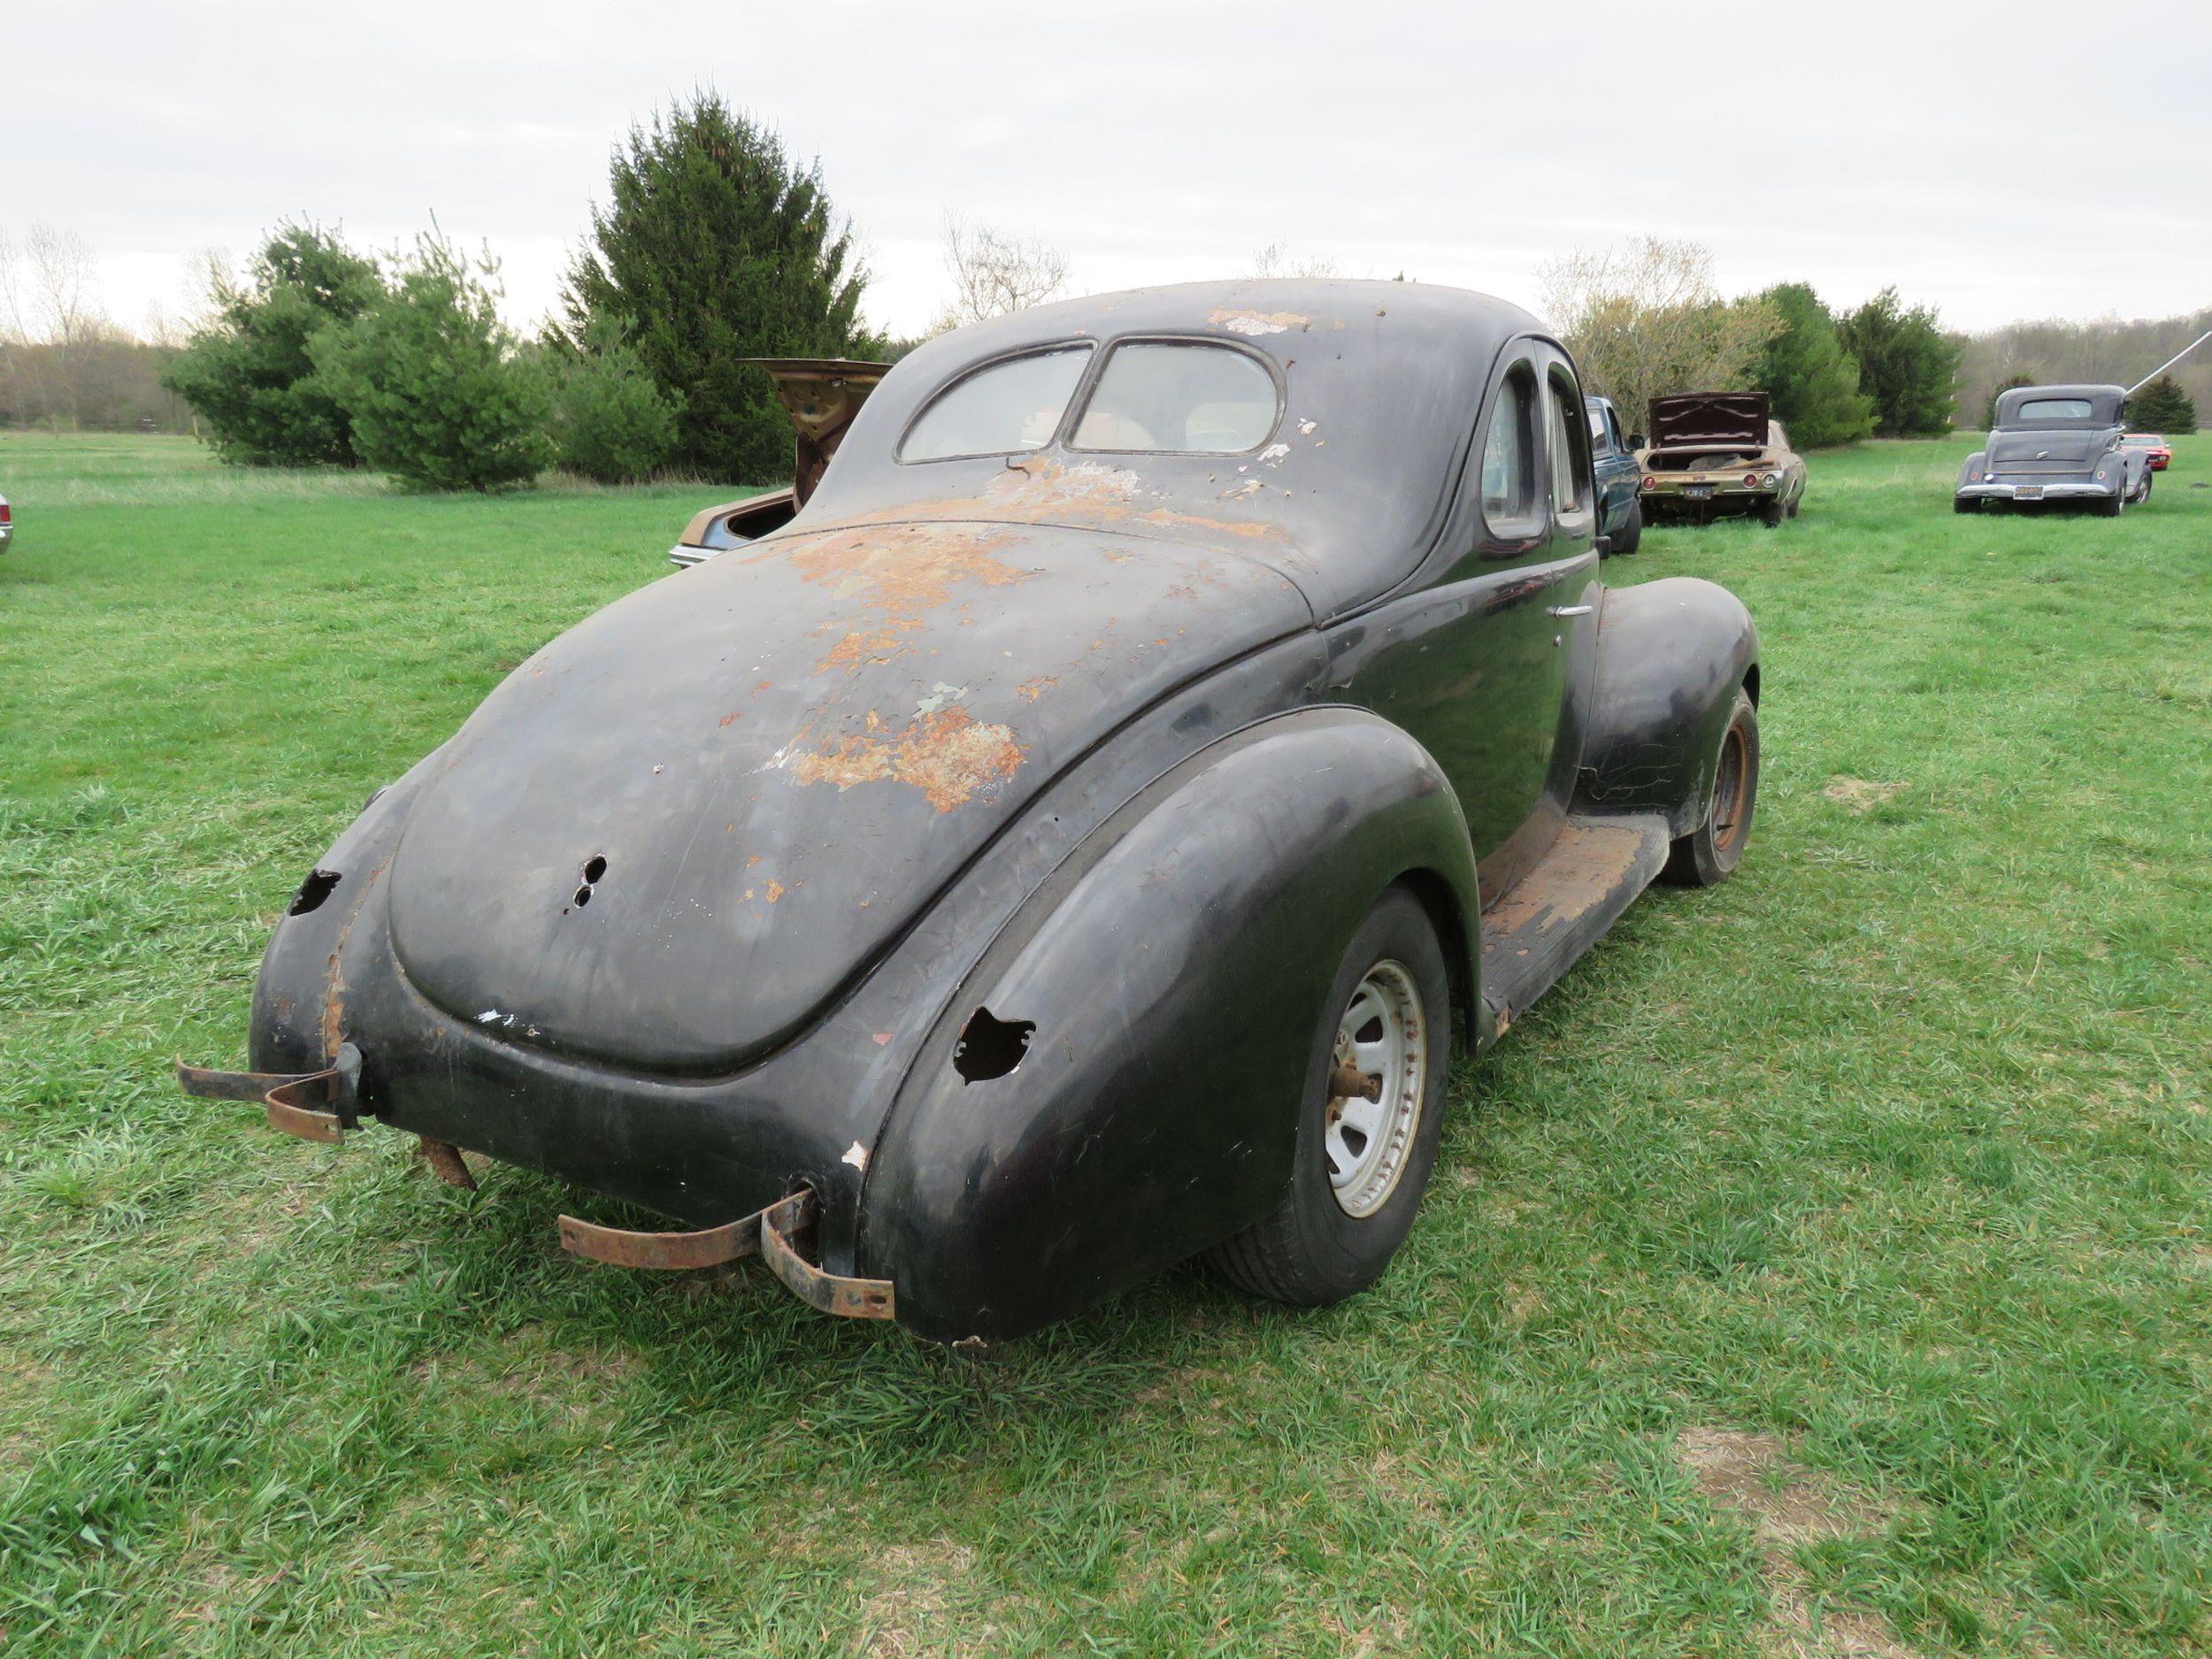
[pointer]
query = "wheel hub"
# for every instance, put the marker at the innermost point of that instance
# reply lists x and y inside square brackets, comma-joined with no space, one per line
[1377,1077]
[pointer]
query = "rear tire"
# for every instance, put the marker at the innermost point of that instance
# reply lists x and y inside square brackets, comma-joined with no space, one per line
[1709,853]
[1966,503]
[1630,536]
[2111,506]
[1352,1195]
[1770,515]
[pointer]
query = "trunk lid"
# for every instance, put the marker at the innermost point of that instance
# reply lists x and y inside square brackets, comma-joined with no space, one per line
[670,838]
[1709,421]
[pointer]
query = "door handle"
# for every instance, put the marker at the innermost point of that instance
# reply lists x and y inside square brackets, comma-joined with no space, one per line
[1571,610]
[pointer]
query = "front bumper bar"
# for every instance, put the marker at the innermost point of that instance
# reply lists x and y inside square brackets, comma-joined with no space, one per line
[323,1106]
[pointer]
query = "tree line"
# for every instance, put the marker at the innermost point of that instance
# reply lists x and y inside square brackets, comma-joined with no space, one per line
[715,246]
[1650,320]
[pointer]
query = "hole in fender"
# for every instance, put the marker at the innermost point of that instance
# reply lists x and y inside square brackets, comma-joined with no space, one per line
[313,891]
[582,898]
[594,867]
[990,1047]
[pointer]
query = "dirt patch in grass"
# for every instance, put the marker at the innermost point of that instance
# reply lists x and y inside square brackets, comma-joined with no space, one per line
[1752,1477]
[1856,794]
[907,1609]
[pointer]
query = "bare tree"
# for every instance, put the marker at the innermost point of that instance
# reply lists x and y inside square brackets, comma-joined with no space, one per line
[1280,259]
[1649,320]
[993,273]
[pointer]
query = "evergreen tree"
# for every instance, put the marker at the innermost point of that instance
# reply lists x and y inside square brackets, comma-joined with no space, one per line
[1907,364]
[433,382]
[251,374]
[1811,380]
[714,248]
[2163,407]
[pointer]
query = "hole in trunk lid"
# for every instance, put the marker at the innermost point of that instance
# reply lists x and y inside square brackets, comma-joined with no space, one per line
[990,1047]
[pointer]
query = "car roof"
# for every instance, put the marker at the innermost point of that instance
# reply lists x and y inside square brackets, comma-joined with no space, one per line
[1381,384]
[2104,402]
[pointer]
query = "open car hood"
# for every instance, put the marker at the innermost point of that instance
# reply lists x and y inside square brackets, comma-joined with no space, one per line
[670,838]
[1709,421]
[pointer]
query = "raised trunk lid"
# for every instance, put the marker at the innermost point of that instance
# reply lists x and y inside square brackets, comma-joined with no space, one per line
[1709,421]
[672,836]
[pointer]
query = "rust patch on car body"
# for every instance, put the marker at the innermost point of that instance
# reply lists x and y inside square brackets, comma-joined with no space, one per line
[945,753]
[1582,869]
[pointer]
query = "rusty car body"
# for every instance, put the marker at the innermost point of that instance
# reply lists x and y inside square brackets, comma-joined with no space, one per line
[1067,846]
[821,395]
[2055,446]
[1715,454]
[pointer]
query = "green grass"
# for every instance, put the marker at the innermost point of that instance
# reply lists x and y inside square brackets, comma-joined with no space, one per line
[1894,1155]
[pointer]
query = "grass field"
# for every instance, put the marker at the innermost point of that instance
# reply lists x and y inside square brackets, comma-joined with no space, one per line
[1825,1267]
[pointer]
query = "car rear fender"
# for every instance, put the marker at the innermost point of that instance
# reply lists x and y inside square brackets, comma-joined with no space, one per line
[1116,1087]
[1670,656]
[1975,464]
[299,996]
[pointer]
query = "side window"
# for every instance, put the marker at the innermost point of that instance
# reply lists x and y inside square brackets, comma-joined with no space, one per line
[1568,448]
[1508,457]
[1007,407]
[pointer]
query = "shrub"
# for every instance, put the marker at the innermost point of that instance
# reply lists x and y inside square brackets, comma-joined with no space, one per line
[1989,410]
[2162,407]
[609,419]
[433,382]
[251,373]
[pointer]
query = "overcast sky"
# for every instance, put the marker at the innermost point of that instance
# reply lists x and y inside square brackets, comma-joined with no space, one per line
[1999,161]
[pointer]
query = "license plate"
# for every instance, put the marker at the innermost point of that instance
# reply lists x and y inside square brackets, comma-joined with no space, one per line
[2028,492]
[1696,492]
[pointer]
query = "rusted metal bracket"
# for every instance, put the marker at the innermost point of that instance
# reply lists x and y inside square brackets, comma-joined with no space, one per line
[773,1232]
[294,1100]
[847,1298]
[667,1252]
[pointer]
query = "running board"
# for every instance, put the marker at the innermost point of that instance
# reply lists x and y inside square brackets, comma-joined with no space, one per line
[1540,926]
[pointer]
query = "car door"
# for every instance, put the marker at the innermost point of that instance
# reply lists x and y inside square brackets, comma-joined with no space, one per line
[1472,661]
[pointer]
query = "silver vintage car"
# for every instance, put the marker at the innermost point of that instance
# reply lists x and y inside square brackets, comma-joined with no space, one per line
[2062,444]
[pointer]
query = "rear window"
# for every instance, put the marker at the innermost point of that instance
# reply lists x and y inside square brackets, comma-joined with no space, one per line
[2056,408]
[1167,397]
[1009,406]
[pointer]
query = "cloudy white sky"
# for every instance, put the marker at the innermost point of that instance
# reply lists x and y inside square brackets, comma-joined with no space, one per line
[2002,160]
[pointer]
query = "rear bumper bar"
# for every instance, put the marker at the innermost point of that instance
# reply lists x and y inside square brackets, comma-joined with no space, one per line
[323,1106]
[2063,490]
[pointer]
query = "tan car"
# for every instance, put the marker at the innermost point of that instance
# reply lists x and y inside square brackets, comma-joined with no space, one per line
[821,395]
[1716,455]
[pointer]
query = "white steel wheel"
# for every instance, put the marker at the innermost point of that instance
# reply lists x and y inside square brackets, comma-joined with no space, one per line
[1377,1083]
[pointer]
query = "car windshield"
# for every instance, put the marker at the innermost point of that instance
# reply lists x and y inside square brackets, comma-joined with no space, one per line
[1012,405]
[2054,409]
[1178,397]
[2145,437]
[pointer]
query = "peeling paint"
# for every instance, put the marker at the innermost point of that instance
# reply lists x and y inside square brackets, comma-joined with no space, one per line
[1251,323]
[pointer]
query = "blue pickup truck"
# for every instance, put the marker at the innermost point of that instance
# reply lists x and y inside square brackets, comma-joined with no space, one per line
[1619,478]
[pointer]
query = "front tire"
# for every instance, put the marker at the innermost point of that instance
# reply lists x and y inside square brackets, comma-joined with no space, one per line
[1709,853]
[1359,1166]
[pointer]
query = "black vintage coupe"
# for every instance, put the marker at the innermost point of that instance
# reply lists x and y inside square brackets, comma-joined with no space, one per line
[1068,845]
